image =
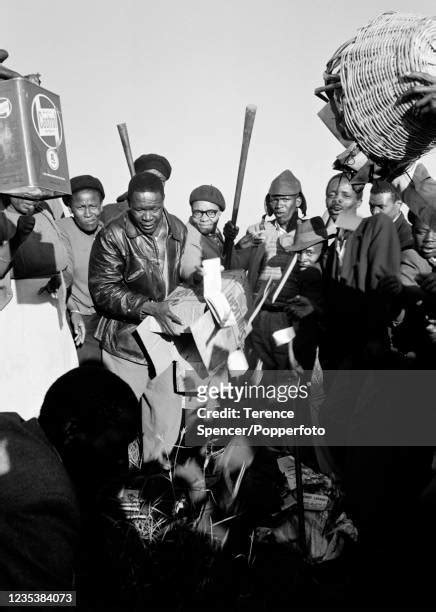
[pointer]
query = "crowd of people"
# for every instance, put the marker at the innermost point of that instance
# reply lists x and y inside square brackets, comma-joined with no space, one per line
[77,280]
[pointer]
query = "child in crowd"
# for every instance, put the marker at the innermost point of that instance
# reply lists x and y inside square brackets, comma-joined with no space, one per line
[299,303]
[305,292]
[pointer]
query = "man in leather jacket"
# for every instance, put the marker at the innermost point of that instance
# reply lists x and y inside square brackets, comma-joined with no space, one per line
[134,265]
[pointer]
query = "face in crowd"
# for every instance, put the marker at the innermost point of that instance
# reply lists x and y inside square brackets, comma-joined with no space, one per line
[387,202]
[86,207]
[310,256]
[341,197]
[205,216]
[24,207]
[284,206]
[146,210]
[424,233]
[90,416]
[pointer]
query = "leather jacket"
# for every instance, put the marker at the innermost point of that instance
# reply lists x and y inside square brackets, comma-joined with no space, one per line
[124,274]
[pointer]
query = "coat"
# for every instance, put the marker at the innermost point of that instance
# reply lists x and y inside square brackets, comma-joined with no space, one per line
[358,314]
[372,252]
[124,274]
[410,334]
[36,344]
[254,259]
[113,211]
[404,231]
[197,248]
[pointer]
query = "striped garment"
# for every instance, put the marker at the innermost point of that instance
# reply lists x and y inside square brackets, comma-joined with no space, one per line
[276,258]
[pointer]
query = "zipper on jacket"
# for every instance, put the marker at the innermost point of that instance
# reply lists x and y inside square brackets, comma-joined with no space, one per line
[158,262]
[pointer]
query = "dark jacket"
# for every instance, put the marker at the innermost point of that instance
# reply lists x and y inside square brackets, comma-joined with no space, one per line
[358,314]
[404,230]
[410,333]
[372,252]
[124,274]
[113,211]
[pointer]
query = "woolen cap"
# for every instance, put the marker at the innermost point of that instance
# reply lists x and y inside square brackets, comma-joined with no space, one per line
[86,181]
[309,232]
[153,161]
[146,162]
[285,184]
[208,193]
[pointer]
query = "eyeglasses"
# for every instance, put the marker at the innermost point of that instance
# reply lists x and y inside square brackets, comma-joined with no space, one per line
[198,214]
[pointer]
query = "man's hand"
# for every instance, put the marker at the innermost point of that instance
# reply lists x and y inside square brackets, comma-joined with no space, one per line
[164,316]
[428,283]
[230,231]
[25,226]
[425,106]
[390,286]
[251,239]
[52,286]
[299,307]
[258,238]
[79,328]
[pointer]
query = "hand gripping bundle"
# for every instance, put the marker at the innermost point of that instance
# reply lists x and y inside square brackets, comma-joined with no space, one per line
[364,82]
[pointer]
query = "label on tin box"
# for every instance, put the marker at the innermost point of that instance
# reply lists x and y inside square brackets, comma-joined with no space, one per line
[46,121]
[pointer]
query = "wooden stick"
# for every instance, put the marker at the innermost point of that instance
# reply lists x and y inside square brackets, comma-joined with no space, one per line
[267,291]
[259,305]
[124,135]
[285,277]
[250,114]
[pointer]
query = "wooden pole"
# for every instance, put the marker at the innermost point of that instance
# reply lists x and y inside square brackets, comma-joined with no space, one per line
[250,114]
[124,135]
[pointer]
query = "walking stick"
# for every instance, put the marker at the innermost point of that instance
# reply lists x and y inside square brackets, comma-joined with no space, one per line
[250,114]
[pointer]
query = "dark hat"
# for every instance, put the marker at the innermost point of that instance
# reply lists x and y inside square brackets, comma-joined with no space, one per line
[145,181]
[147,162]
[285,184]
[309,232]
[86,181]
[208,193]
[152,161]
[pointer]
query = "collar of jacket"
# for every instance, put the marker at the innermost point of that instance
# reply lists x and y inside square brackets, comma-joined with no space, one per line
[173,231]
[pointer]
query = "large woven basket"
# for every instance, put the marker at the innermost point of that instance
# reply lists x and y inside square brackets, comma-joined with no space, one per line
[365,80]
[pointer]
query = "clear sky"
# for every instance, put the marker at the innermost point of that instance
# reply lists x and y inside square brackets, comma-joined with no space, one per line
[180,74]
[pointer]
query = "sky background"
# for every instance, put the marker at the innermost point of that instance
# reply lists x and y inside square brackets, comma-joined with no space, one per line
[180,74]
